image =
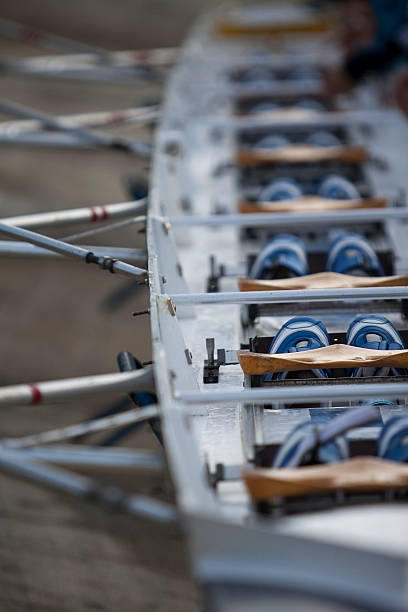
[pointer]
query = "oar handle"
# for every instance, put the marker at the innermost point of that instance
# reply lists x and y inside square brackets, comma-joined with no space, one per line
[127,362]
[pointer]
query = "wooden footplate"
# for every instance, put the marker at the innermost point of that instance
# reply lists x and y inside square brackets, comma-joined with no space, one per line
[309,204]
[237,27]
[302,154]
[322,280]
[358,474]
[333,356]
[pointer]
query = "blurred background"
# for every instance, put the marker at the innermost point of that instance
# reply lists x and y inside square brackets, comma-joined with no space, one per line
[56,553]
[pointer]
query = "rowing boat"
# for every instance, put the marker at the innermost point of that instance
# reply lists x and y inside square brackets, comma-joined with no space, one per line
[252,547]
[324,536]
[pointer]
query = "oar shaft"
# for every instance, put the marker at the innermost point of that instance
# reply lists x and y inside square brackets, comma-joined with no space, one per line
[82,486]
[86,214]
[139,58]
[65,389]
[91,456]
[98,73]
[142,114]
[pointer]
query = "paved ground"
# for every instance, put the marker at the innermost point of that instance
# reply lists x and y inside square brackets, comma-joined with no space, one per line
[55,553]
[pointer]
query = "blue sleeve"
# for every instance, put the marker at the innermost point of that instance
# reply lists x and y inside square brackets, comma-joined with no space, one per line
[391,44]
[390,15]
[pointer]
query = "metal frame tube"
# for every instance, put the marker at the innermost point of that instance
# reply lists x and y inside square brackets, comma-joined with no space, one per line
[142,114]
[369,215]
[296,394]
[22,250]
[96,456]
[84,52]
[85,487]
[106,228]
[70,250]
[137,415]
[46,139]
[90,73]
[34,36]
[82,133]
[289,296]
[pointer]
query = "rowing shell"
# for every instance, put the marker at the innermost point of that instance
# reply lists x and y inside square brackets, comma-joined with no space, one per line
[214,432]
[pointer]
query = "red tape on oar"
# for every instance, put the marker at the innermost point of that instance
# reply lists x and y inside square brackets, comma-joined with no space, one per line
[36,395]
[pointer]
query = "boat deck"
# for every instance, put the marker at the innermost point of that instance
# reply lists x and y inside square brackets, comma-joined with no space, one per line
[195,177]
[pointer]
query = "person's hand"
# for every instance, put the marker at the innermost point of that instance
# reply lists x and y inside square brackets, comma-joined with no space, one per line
[401,91]
[336,81]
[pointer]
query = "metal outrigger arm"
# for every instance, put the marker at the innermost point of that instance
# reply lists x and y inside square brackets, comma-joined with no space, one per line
[136,415]
[73,251]
[85,61]
[139,116]
[21,456]
[18,31]
[95,456]
[26,457]
[84,487]
[80,133]
[12,249]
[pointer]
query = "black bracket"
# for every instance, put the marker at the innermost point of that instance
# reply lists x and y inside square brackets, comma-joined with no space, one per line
[214,277]
[216,272]
[225,473]
[212,365]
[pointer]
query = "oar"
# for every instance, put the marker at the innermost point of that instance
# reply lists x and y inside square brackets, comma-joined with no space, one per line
[86,214]
[69,388]
[84,487]
[99,73]
[140,115]
[139,58]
